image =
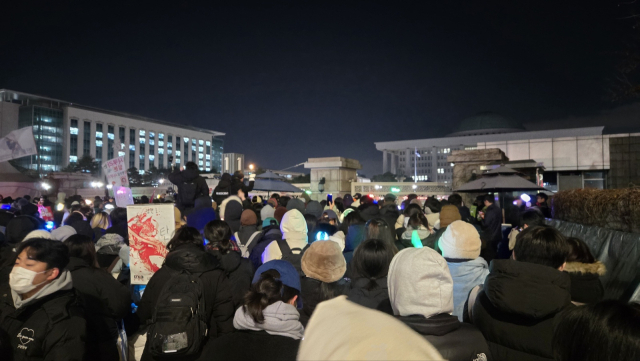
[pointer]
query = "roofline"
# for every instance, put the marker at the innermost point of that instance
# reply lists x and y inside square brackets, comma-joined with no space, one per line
[117,113]
[475,139]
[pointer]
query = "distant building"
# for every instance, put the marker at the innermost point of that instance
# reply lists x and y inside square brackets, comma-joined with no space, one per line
[572,158]
[66,131]
[231,162]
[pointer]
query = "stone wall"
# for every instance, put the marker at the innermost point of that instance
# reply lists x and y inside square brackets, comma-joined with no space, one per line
[467,165]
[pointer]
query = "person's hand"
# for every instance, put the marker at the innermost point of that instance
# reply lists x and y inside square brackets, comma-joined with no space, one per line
[252,177]
[241,195]
[330,204]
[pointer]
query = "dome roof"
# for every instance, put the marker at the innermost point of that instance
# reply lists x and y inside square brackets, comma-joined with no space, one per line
[487,123]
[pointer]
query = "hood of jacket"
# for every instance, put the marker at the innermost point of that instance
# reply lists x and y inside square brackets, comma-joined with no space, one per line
[229,262]
[225,181]
[19,227]
[527,289]
[355,236]
[437,325]
[296,203]
[245,233]
[76,263]
[189,175]
[420,283]
[110,244]
[468,268]
[294,226]
[63,282]
[422,232]
[388,210]
[370,212]
[232,207]
[281,319]
[191,258]
[267,212]
[314,208]
[120,229]
[597,268]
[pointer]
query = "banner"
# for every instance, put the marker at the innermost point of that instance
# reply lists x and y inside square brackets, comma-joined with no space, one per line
[17,144]
[151,227]
[116,172]
[46,214]
[123,196]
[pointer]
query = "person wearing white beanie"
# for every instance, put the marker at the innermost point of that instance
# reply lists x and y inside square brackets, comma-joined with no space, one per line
[460,245]
[421,295]
[61,234]
[39,233]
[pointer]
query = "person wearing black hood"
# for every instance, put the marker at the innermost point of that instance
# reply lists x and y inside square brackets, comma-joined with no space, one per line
[17,229]
[389,210]
[190,186]
[238,181]
[222,190]
[238,269]
[187,253]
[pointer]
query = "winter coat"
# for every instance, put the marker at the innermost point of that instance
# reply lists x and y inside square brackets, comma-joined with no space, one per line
[456,341]
[377,299]
[267,212]
[423,233]
[236,184]
[222,190]
[201,214]
[108,248]
[294,231]
[269,234]
[493,225]
[239,271]
[355,236]
[517,308]
[98,233]
[390,213]
[218,299]
[369,212]
[178,178]
[312,295]
[277,338]
[105,301]
[231,211]
[51,327]
[465,214]
[586,286]
[432,240]
[244,235]
[466,274]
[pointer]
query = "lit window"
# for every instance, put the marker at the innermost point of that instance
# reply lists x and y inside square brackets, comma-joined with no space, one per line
[132,147]
[178,153]
[152,157]
[142,133]
[193,141]
[152,135]
[169,145]
[152,142]
[161,143]
[73,131]
[186,140]
[208,156]
[193,148]
[98,143]
[161,136]
[208,169]
[177,160]
[141,172]
[120,154]
[141,156]
[142,140]
[110,136]
[98,135]
[208,164]
[160,150]
[169,151]
[208,143]
[73,158]
[201,142]
[200,163]
[200,156]
[200,149]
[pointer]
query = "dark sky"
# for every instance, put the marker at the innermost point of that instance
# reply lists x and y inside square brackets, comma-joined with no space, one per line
[291,80]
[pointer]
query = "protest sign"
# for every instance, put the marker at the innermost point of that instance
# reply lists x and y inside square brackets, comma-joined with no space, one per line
[116,172]
[18,144]
[151,227]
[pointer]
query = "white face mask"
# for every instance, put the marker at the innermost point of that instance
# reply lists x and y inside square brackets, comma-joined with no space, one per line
[21,280]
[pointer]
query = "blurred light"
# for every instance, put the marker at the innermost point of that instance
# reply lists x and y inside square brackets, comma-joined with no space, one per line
[60,206]
[46,186]
[371,195]
[108,206]
[307,191]
[161,181]
[49,225]
[88,201]
[414,186]
[109,186]
[322,236]
[395,190]
[251,166]
[525,197]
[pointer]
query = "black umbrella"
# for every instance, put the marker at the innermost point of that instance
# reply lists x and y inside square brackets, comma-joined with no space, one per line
[501,179]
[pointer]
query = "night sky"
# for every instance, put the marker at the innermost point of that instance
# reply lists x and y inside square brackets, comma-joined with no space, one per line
[291,80]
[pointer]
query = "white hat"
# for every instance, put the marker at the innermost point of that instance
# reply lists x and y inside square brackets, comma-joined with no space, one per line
[461,240]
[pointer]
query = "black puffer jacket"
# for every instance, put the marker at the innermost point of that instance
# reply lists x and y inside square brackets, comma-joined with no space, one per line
[106,301]
[50,328]
[239,271]
[188,176]
[586,286]
[312,295]
[252,345]
[222,190]
[517,307]
[236,185]
[390,213]
[219,303]
[378,298]
[369,212]
[456,341]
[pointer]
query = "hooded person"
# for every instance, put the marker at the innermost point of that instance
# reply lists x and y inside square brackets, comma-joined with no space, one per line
[231,211]
[223,189]
[62,233]
[108,249]
[315,209]
[248,235]
[201,214]
[278,214]
[40,312]
[39,233]
[239,270]
[190,185]
[389,210]
[585,272]
[369,211]
[369,269]
[237,182]
[460,245]
[347,200]
[83,228]
[291,247]
[267,211]
[323,266]
[267,323]
[355,236]
[187,253]
[296,203]
[343,330]
[421,294]
[270,233]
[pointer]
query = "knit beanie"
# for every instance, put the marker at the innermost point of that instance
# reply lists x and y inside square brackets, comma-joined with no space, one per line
[314,208]
[38,233]
[295,203]
[273,202]
[323,261]
[248,218]
[448,215]
[460,240]
[279,213]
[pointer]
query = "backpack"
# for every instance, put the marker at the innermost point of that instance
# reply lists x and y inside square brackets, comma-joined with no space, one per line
[245,249]
[289,256]
[187,193]
[179,325]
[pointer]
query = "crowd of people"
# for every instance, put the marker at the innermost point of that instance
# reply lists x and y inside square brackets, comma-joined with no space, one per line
[291,278]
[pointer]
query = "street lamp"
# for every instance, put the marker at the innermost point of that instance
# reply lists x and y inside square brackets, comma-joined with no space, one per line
[161,180]
[321,185]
